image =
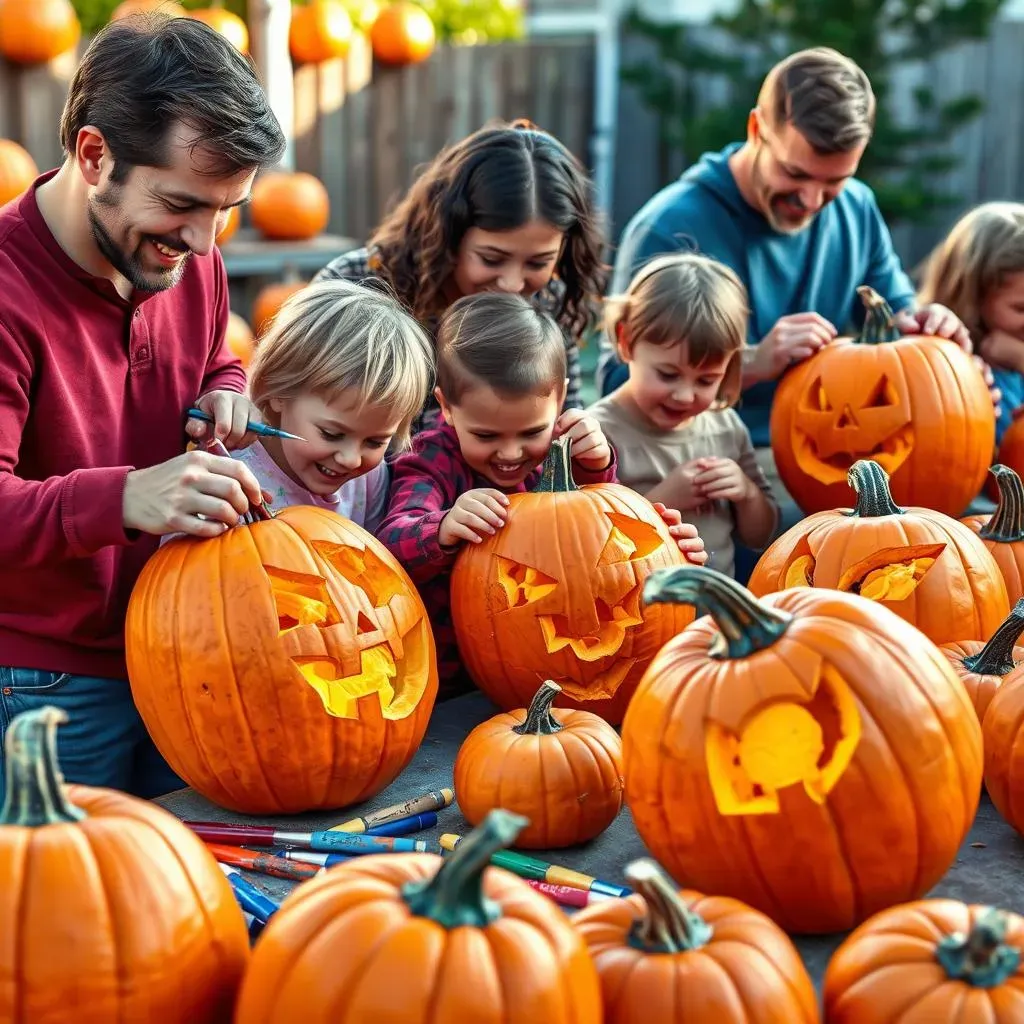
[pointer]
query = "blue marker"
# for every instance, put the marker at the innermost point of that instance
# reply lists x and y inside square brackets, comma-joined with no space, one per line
[403,826]
[251,899]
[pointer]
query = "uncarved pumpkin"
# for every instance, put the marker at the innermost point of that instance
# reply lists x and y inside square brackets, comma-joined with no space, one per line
[284,665]
[240,338]
[414,938]
[231,224]
[229,25]
[403,33]
[1003,531]
[665,957]
[561,769]
[289,206]
[925,566]
[555,594]
[932,961]
[1011,448]
[1003,730]
[127,8]
[320,30]
[110,908]
[17,170]
[36,31]
[764,737]
[269,299]
[915,404]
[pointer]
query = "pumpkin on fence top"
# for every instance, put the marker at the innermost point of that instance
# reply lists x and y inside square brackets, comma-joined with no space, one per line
[934,961]
[1003,531]
[320,30]
[282,666]
[403,33]
[416,938]
[110,908]
[17,170]
[229,25]
[764,736]
[915,404]
[561,769]
[37,31]
[289,206]
[665,957]
[127,8]
[927,567]
[555,594]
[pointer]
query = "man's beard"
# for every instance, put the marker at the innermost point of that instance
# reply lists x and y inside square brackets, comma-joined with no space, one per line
[771,201]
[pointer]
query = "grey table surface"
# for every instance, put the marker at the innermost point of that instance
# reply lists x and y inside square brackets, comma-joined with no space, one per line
[988,868]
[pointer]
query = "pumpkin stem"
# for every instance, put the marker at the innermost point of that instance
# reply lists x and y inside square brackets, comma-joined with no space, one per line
[878,319]
[996,657]
[454,897]
[1007,522]
[980,958]
[669,926]
[745,624]
[35,786]
[871,483]
[539,720]
[556,470]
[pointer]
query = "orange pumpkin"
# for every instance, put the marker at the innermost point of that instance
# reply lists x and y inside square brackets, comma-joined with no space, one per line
[320,30]
[1003,531]
[127,8]
[284,665]
[231,223]
[766,734]
[934,961]
[666,956]
[1011,448]
[269,300]
[561,769]
[229,25]
[925,566]
[555,594]
[1003,731]
[412,937]
[17,170]
[36,31]
[403,33]
[110,908]
[917,405]
[289,206]
[239,338]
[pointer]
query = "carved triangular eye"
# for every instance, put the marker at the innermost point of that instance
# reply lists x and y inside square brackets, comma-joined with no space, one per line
[628,540]
[363,569]
[815,399]
[301,599]
[522,583]
[882,394]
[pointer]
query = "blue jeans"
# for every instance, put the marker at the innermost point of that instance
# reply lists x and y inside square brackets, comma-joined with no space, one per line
[103,742]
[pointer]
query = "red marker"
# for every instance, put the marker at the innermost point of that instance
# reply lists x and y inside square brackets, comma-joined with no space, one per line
[264,863]
[566,895]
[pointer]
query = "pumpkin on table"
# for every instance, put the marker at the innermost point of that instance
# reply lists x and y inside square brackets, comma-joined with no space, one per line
[665,956]
[562,769]
[915,404]
[766,734]
[110,908]
[411,937]
[269,300]
[1003,531]
[925,566]
[284,665]
[1003,732]
[933,961]
[1011,448]
[555,594]
[289,205]
[17,170]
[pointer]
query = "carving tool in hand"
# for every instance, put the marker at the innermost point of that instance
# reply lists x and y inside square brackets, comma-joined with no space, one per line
[262,429]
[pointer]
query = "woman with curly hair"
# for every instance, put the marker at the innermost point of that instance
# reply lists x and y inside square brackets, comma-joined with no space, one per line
[507,209]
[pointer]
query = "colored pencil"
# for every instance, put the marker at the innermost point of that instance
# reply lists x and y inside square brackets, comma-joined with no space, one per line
[262,429]
[251,899]
[428,802]
[325,842]
[262,863]
[308,857]
[530,867]
[401,826]
[566,895]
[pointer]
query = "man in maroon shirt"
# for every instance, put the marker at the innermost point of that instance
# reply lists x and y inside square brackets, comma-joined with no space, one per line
[113,310]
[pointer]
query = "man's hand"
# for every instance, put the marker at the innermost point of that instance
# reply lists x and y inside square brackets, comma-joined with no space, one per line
[231,413]
[793,339]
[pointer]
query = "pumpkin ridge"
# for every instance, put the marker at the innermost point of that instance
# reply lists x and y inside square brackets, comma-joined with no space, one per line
[563,753]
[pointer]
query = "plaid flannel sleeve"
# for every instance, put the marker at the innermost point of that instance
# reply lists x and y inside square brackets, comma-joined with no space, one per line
[582,475]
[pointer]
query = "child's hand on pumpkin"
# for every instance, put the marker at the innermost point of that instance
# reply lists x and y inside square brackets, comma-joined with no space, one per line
[936,320]
[684,534]
[724,480]
[474,517]
[589,445]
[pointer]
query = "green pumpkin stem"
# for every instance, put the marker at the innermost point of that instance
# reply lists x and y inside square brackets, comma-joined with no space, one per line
[669,926]
[556,470]
[35,787]
[1007,523]
[871,483]
[745,624]
[996,657]
[980,958]
[539,720]
[878,319]
[454,897]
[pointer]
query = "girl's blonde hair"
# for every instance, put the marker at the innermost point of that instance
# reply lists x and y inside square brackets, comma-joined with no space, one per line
[984,247]
[685,297]
[336,336]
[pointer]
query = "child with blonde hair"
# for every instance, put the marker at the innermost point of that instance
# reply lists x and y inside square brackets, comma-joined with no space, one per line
[978,272]
[680,328]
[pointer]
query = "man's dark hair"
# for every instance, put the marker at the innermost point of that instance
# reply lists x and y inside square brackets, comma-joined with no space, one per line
[143,74]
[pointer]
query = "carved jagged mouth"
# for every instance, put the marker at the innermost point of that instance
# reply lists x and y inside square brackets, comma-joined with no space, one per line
[832,468]
[613,621]
[340,695]
[603,686]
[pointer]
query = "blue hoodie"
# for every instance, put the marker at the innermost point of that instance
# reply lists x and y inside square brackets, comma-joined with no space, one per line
[816,270]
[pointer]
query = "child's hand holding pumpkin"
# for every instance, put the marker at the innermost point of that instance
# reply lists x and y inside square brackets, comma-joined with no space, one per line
[474,517]
[684,534]
[589,447]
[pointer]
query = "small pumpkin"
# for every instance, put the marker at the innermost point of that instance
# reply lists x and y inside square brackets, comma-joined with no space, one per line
[916,404]
[935,961]
[665,956]
[229,25]
[403,33]
[320,30]
[1003,531]
[412,937]
[269,299]
[17,170]
[127,8]
[555,594]
[763,737]
[240,338]
[289,206]
[37,31]
[561,769]
[928,568]
[110,908]
[1003,731]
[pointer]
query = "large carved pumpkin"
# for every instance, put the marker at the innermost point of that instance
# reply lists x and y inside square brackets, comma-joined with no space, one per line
[927,567]
[289,206]
[555,594]
[282,666]
[810,754]
[916,405]
[36,31]
[1003,531]
[17,170]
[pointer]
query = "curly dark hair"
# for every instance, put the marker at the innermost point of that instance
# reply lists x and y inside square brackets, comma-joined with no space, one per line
[499,178]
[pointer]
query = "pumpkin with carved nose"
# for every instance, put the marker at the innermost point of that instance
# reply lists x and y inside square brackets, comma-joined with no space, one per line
[917,405]
[286,665]
[555,594]
[927,567]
